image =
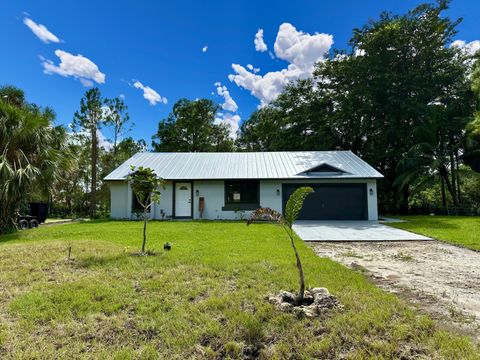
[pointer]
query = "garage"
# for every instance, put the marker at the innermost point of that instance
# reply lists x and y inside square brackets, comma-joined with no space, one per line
[331,201]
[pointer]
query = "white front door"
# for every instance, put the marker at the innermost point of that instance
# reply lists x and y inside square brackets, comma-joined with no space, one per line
[183,199]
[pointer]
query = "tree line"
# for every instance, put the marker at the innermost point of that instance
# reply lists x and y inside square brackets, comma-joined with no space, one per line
[400,97]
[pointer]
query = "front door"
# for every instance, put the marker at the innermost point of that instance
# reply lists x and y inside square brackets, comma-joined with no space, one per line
[183,199]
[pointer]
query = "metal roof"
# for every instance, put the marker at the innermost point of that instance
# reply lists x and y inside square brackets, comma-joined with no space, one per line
[248,165]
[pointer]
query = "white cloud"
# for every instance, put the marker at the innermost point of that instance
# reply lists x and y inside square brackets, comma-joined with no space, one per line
[102,141]
[41,31]
[205,48]
[469,48]
[231,120]
[121,96]
[229,104]
[86,83]
[258,41]
[252,68]
[76,66]
[149,94]
[299,49]
[359,52]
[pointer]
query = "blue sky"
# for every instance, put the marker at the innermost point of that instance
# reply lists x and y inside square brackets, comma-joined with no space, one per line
[159,46]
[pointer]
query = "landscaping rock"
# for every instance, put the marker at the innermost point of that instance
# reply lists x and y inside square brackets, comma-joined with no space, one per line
[320,291]
[285,307]
[317,301]
[288,296]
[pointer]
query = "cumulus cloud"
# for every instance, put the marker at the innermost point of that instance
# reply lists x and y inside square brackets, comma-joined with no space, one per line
[41,31]
[205,48]
[149,94]
[469,48]
[76,66]
[229,104]
[102,140]
[232,121]
[299,49]
[258,41]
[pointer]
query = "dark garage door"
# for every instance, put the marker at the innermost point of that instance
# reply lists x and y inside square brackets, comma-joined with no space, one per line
[332,201]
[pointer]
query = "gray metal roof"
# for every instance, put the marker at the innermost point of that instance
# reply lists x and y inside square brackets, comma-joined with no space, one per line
[248,165]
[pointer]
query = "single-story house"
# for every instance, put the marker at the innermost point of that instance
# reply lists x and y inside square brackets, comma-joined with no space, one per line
[230,185]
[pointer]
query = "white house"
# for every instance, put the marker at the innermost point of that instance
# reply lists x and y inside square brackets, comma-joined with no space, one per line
[230,185]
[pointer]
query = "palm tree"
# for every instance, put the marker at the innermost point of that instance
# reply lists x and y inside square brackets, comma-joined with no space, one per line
[30,152]
[432,158]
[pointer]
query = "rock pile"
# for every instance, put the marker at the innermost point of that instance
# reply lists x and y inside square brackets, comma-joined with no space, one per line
[316,302]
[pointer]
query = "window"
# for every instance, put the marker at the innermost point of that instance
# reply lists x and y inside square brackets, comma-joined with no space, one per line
[241,195]
[136,206]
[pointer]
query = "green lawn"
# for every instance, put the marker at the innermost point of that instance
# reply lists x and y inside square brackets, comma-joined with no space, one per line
[457,230]
[203,299]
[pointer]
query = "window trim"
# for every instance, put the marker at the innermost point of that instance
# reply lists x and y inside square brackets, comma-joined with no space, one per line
[240,206]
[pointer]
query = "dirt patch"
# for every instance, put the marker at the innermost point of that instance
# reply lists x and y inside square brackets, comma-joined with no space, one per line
[442,279]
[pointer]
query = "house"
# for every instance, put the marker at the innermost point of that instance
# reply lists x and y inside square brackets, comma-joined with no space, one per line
[230,185]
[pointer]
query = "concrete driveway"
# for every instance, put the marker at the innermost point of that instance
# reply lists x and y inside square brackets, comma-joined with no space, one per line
[334,230]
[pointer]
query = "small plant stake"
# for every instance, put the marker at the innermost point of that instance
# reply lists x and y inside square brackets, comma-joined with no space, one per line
[69,251]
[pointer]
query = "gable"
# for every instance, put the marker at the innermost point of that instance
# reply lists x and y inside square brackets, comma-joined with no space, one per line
[323,168]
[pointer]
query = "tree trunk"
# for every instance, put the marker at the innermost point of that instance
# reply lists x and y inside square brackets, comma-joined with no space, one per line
[457,161]
[452,174]
[444,196]
[405,196]
[300,270]
[93,190]
[144,242]
[115,147]
[444,174]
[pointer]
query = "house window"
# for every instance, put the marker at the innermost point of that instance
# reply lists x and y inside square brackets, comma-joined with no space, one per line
[136,206]
[241,195]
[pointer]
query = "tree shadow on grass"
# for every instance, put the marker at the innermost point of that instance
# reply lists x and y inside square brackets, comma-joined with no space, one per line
[10,237]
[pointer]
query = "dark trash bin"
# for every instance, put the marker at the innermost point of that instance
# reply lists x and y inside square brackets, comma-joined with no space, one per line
[39,211]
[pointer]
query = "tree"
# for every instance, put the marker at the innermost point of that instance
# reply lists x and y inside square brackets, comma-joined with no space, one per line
[191,128]
[398,76]
[472,145]
[292,210]
[31,151]
[145,185]
[472,140]
[296,120]
[88,120]
[117,117]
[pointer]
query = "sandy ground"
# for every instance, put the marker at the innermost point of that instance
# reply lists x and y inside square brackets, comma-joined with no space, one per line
[441,279]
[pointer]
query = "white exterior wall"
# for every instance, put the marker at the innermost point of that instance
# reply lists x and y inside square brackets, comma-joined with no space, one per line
[165,204]
[214,193]
[118,200]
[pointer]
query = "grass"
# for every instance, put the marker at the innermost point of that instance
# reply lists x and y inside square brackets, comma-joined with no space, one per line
[402,256]
[203,299]
[457,230]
